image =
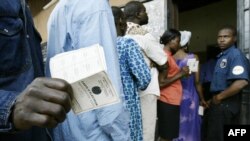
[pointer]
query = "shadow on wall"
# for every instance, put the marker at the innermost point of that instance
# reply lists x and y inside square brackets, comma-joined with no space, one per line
[211,52]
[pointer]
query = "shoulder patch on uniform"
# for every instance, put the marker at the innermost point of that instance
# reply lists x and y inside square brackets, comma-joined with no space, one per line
[237,70]
[223,63]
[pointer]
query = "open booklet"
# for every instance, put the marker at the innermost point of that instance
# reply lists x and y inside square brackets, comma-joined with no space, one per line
[85,69]
[193,65]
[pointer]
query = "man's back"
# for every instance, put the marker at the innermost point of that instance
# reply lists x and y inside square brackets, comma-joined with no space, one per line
[152,51]
[81,23]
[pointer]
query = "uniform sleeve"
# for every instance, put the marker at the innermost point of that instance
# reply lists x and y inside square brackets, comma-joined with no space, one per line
[239,68]
[137,65]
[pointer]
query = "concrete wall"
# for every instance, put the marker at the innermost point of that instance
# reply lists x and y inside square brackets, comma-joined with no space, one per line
[41,16]
[119,2]
[157,14]
[204,22]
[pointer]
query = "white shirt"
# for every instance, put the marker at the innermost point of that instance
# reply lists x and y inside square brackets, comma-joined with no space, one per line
[152,50]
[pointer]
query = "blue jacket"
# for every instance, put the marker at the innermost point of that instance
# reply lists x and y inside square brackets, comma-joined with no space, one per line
[20,63]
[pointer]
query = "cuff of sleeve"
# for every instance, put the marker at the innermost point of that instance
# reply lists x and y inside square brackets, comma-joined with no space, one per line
[5,112]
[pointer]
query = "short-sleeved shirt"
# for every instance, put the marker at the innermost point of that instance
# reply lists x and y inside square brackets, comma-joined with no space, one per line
[231,65]
[152,51]
[172,94]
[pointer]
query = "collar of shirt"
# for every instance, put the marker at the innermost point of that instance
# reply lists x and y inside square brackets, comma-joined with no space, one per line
[226,51]
[133,28]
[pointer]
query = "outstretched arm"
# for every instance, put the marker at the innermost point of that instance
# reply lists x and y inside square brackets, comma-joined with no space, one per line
[199,86]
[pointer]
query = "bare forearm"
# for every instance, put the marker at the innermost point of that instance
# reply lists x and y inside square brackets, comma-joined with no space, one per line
[235,88]
[198,87]
[167,81]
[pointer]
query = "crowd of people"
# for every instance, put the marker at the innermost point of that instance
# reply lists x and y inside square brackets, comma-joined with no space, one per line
[160,93]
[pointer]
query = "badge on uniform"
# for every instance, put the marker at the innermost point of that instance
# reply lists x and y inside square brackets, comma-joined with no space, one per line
[223,63]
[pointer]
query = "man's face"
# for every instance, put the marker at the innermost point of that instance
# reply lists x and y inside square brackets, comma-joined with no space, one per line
[143,16]
[225,39]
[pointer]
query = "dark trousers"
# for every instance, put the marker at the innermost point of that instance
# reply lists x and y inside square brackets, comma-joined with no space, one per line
[218,116]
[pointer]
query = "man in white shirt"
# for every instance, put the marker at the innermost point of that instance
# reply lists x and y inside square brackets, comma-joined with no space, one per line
[136,15]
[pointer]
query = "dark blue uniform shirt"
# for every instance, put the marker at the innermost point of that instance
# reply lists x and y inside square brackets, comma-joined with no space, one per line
[231,65]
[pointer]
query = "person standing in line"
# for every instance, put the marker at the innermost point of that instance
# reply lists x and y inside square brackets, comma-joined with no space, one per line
[75,24]
[231,75]
[29,102]
[171,89]
[206,75]
[190,120]
[135,73]
[207,69]
[136,16]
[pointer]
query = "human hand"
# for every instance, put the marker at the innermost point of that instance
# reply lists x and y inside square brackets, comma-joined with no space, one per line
[44,103]
[204,103]
[185,71]
[216,99]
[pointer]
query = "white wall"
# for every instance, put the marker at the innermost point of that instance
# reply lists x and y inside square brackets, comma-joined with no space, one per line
[157,13]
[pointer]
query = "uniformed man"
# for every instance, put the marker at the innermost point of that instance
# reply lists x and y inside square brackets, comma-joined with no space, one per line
[230,76]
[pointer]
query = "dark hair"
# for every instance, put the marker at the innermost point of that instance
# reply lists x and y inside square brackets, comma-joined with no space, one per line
[169,35]
[132,8]
[230,27]
[117,13]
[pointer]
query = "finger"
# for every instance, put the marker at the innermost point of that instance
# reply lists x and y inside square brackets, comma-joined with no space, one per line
[51,95]
[55,83]
[62,85]
[41,120]
[53,110]
[59,97]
